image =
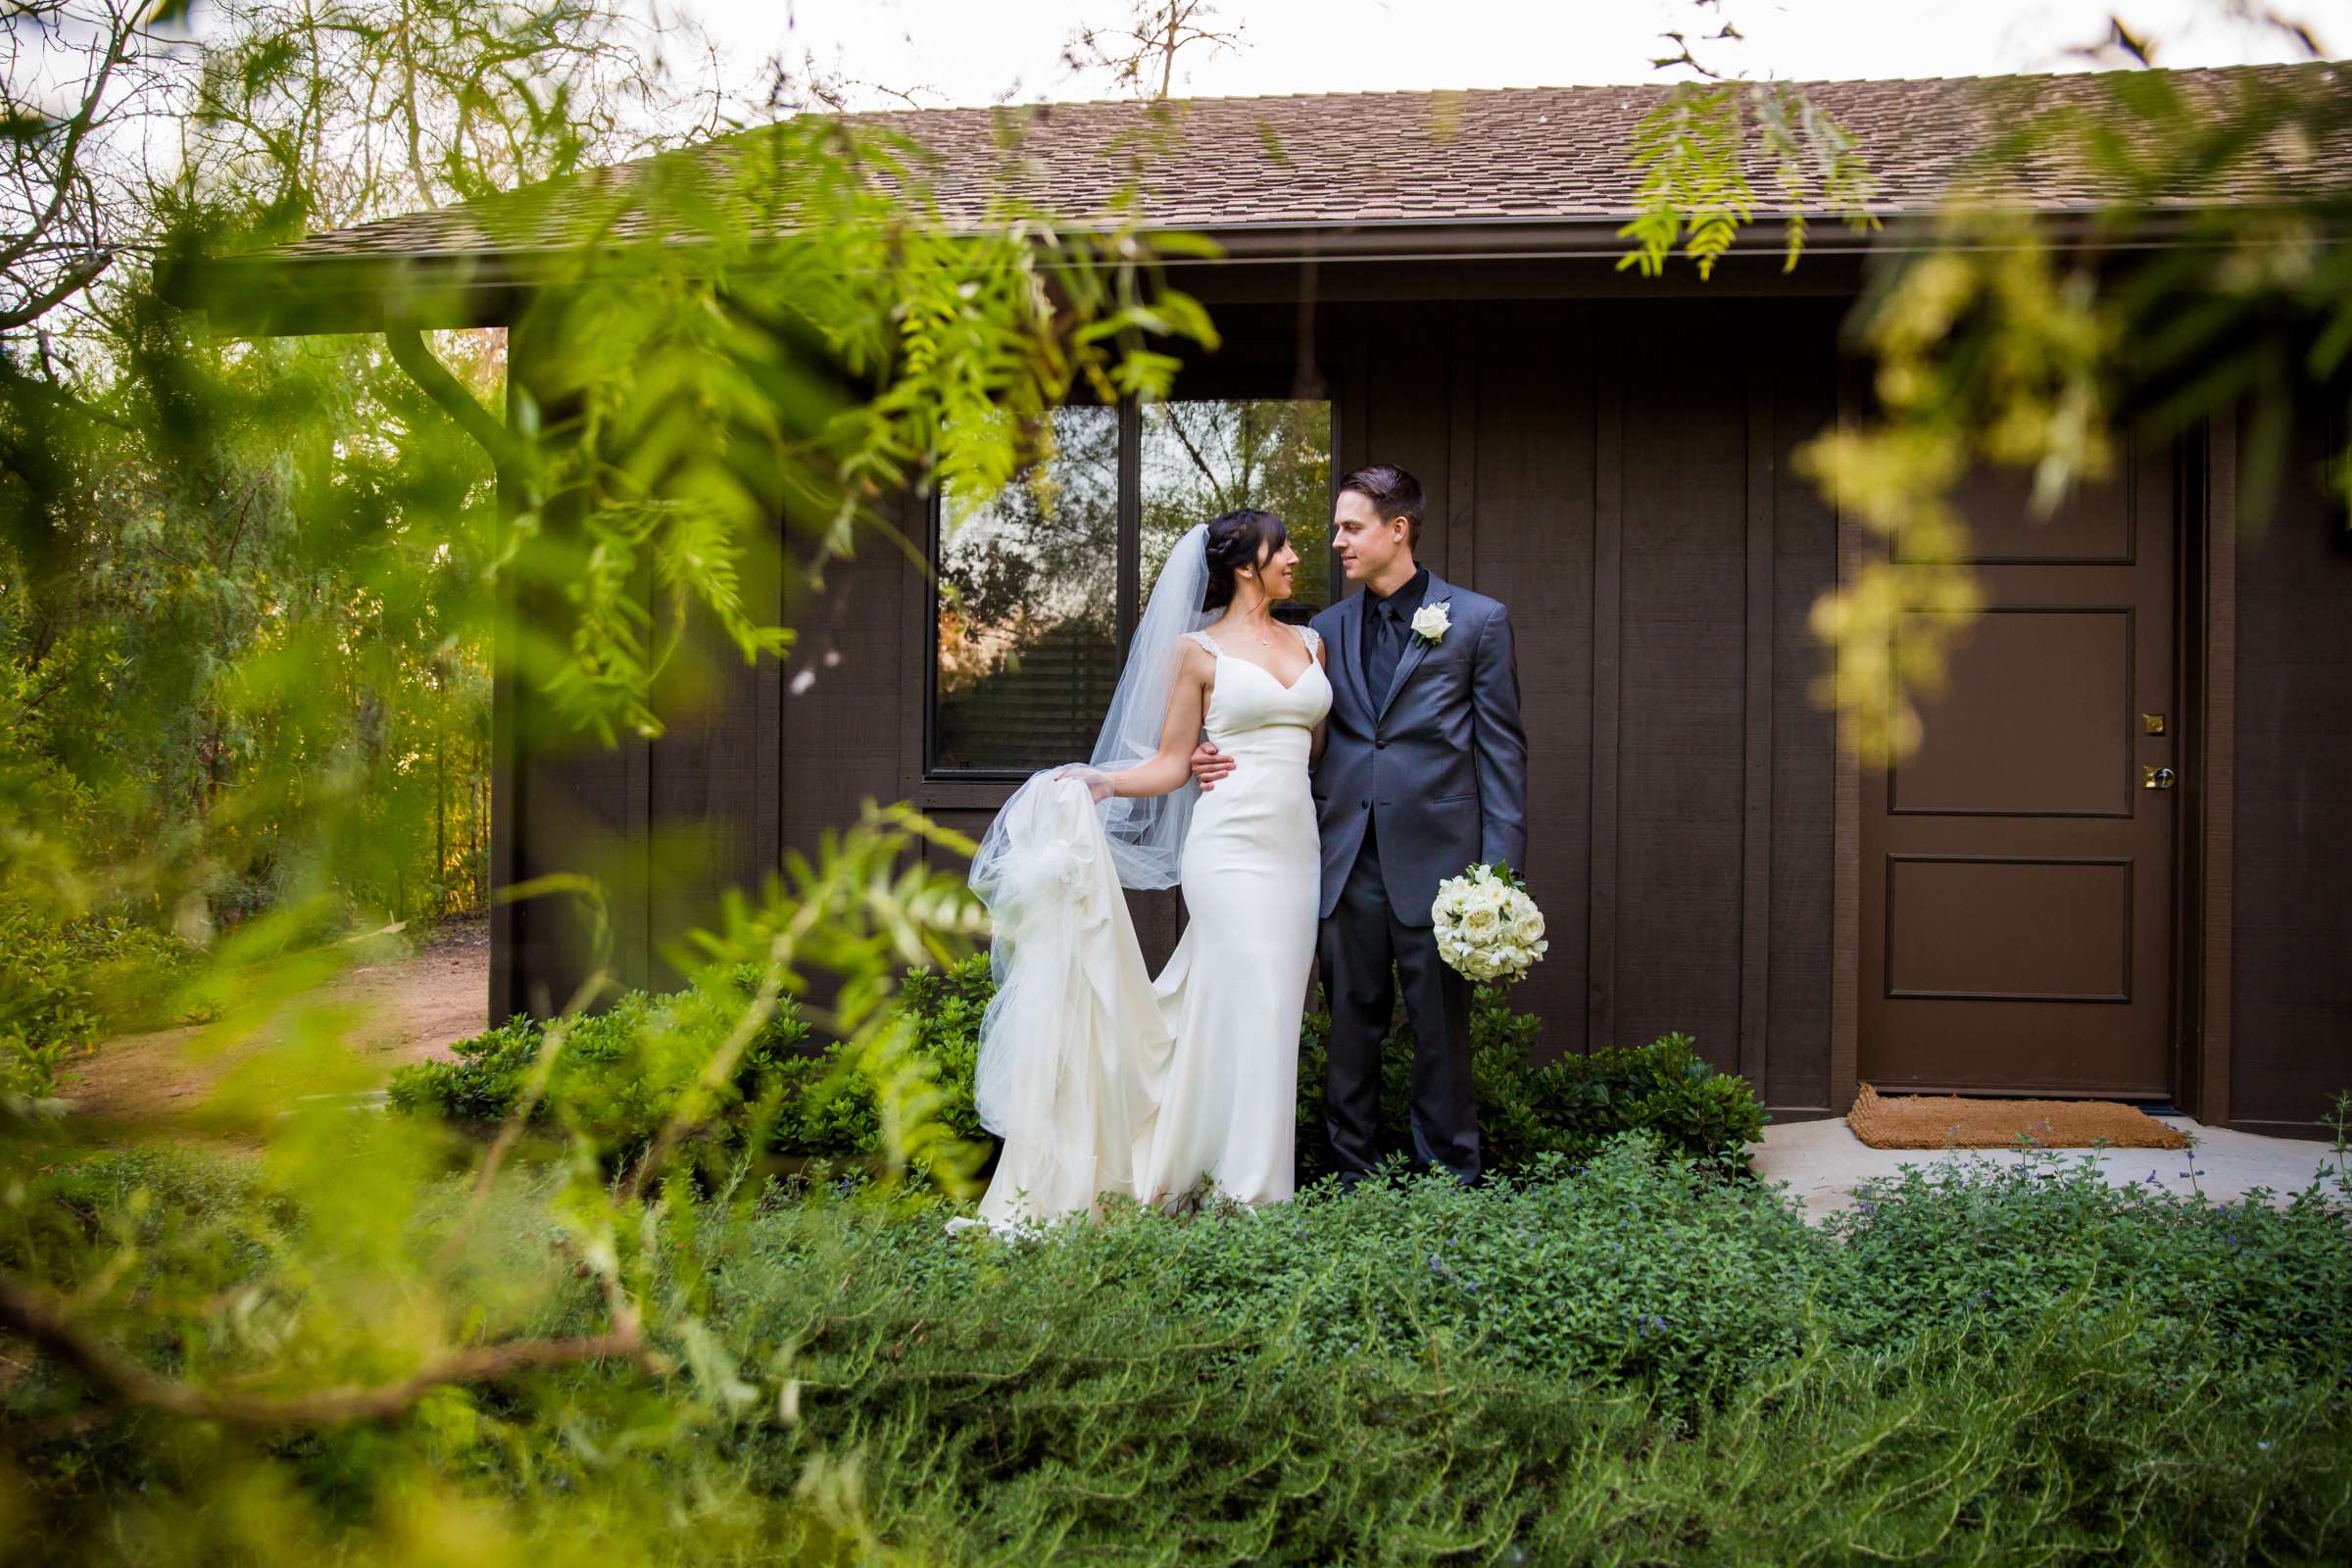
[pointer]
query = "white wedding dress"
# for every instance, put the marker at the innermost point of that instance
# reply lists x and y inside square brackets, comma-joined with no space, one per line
[1105,1081]
[1231,994]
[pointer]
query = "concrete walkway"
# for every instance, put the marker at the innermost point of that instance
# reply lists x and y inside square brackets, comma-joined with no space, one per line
[1822,1162]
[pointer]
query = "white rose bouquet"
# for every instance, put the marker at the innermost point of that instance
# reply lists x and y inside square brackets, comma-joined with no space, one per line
[1487,927]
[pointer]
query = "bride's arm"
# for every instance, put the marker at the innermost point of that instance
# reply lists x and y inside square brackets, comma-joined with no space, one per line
[1172,767]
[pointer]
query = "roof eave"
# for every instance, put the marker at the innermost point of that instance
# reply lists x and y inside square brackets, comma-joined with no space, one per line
[270,295]
[288,296]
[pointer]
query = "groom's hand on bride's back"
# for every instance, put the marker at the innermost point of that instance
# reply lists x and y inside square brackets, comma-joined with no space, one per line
[1209,764]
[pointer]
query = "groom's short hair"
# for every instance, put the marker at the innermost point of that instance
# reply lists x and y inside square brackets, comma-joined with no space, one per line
[1395,492]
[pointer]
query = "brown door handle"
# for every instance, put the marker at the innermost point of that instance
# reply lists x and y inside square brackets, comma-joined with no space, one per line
[2156,778]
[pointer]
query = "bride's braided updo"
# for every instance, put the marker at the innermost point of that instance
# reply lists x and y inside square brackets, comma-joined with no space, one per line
[1237,539]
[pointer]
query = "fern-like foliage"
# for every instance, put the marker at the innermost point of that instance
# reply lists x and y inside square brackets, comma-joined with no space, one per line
[811,341]
[1693,154]
[1816,162]
[1694,190]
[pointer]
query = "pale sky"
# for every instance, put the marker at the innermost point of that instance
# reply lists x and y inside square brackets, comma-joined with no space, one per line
[990,51]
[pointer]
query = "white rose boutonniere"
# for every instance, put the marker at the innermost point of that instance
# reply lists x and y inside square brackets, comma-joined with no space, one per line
[1431,622]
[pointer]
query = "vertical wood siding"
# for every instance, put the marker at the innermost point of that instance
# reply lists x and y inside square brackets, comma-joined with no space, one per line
[1799,907]
[1615,473]
[2291,938]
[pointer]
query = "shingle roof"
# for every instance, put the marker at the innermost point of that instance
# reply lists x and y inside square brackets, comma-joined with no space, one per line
[1539,154]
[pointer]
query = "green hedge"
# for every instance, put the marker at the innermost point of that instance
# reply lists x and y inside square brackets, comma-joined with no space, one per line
[625,1067]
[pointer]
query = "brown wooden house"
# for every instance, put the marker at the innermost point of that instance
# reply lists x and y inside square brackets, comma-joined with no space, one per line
[1431,280]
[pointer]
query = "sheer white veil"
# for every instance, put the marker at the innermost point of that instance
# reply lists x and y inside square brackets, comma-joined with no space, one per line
[1034,861]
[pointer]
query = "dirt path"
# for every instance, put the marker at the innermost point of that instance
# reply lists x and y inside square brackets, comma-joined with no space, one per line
[413,1008]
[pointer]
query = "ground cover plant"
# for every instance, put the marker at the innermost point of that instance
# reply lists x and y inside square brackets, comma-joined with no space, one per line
[1634,1361]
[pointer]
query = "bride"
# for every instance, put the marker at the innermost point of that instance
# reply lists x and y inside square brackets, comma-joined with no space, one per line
[1100,1078]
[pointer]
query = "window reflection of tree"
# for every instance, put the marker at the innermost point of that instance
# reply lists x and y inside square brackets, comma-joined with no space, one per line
[1028,596]
[1200,458]
[1029,582]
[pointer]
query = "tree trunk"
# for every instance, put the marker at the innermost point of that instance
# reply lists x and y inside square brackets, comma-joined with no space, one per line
[441,802]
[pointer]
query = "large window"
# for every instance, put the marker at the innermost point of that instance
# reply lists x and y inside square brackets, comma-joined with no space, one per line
[1040,585]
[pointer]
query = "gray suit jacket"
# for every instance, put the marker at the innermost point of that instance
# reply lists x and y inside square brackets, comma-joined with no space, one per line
[1439,758]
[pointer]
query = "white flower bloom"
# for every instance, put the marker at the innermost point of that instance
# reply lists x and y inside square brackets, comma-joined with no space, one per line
[1431,621]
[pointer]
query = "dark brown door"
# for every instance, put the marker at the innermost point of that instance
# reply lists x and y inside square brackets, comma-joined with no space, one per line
[2017,870]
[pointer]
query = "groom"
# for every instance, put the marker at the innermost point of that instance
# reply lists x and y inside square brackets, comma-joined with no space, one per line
[1423,771]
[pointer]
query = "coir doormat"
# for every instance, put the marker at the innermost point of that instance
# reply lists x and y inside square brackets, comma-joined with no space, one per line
[1949,1121]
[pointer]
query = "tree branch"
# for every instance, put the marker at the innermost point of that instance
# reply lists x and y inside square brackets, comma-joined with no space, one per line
[1184,439]
[62,182]
[76,278]
[45,1321]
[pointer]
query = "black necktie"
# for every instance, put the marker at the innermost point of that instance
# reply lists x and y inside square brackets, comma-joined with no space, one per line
[1383,648]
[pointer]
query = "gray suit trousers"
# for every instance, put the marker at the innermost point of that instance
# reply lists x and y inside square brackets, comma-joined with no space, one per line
[1359,939]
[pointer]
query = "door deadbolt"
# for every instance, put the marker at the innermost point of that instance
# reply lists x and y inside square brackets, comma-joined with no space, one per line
[2156,778]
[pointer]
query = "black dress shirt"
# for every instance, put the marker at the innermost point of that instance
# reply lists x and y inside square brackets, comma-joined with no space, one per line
[1387,623]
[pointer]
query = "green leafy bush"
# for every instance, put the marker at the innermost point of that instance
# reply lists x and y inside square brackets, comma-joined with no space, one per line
[827,1102]
[622,1070]
[1664,1088]
[30,1069]
[1570,1106]
[141,976]
[948,1005]
[65,983]
[819,1103]
[44,993]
